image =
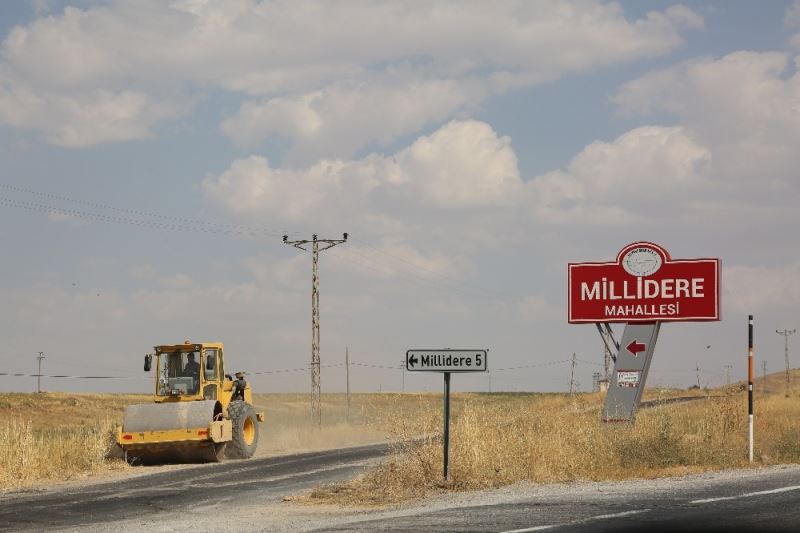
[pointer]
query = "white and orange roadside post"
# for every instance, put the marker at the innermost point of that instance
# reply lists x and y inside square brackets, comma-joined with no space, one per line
[750,386]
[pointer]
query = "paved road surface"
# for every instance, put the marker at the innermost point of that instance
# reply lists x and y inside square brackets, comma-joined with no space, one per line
[747,500]
[211,487]
[248,496]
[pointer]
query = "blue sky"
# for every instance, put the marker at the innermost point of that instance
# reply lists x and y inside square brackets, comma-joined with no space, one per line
[470,152]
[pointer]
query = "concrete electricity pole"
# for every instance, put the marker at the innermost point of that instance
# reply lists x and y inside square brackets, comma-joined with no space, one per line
[39,375]
[728,374]
[316,408]
[697,369]
[764,374]
[786,334]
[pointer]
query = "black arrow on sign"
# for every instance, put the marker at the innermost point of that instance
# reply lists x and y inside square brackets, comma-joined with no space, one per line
[412,360]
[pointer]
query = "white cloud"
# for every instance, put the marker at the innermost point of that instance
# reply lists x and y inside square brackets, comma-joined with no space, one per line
[251,186]
[85,119]
[342,117]
[463,165]
[111,72]
[743,106]
[640,174]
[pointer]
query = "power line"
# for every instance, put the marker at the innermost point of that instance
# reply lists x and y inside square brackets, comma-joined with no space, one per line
[185,224]
[376,366]
[23,375]
[278,371]
[99,217]
[536,365]
[589,362]
[142,213]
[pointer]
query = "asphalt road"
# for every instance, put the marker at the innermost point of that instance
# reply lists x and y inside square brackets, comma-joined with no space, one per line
[745,500]
[213,487]
[248,496]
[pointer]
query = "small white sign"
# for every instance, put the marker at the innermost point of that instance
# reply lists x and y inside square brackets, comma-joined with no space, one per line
[446,360]
[628,378]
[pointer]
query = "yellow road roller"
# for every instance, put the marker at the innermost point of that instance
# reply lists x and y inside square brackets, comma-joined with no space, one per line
[199,413]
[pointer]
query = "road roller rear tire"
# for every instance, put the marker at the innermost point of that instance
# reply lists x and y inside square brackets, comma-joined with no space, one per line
[244,424]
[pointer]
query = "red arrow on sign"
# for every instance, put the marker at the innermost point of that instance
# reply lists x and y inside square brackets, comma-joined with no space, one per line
[635,347]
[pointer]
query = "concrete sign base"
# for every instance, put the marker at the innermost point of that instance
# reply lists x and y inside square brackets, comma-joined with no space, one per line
[630,371]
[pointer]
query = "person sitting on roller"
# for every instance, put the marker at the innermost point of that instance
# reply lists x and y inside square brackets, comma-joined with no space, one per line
[192,370]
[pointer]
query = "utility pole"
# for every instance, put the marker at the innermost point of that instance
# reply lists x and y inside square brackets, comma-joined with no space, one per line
[764,374]
[786,334]
[572,377]
[403,371]
[347,366]
[39,375]
[697,369]
[728,374]
[316,408]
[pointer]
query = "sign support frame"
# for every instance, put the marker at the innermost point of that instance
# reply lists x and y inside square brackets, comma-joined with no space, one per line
[622,401]
[642,288]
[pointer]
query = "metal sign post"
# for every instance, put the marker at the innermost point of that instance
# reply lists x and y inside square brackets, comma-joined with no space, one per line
[446,455]
[630,372]
[446,361]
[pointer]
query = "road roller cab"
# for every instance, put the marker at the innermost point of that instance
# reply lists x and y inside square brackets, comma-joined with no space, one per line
[199,413]
[190,372]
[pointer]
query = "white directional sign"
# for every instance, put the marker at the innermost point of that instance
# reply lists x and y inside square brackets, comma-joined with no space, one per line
[446,360]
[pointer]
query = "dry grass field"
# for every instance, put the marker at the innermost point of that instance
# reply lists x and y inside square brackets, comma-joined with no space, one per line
[501,439]
[496,439]
[60,436]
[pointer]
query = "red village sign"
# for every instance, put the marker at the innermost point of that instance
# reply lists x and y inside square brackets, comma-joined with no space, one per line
[644,284]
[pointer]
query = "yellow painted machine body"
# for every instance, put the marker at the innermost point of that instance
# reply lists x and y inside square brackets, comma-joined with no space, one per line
[191,418]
